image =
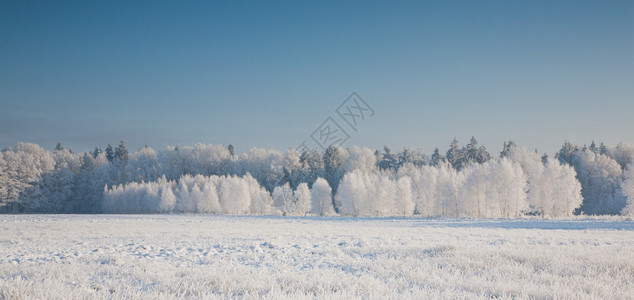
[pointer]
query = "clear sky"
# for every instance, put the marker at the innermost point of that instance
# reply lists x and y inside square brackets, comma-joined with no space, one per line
[89,73]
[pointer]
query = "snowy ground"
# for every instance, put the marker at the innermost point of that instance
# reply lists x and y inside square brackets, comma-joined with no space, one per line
[200,256]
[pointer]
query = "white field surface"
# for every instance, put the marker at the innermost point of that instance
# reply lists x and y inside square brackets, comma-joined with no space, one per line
[202,256]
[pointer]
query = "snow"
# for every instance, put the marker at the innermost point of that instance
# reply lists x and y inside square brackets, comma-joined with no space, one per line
[210,256]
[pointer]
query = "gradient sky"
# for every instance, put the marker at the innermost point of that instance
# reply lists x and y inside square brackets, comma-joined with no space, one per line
[89,73]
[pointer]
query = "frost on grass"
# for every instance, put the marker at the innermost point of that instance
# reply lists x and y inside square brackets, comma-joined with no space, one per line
[272,257]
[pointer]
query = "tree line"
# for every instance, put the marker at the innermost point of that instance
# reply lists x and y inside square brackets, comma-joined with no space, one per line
[464,181]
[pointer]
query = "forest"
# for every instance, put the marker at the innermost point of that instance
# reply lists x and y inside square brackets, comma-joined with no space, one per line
[464,181]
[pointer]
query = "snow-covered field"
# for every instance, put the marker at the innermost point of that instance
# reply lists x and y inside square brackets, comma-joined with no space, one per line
[202,256]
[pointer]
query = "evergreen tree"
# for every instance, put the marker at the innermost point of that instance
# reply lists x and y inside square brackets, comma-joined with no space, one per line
[483,155]
[88,191]
[96,152]
[316,163]
[508,148]
[378,156]
[454,154]
[567,153]
[231,150]
[388,160]
[304,159]
[471,153]
[404,157]
[86,163]
[593,147]
[411,156]
[59,147]
[474,154]
[603,149]
[305,171]
[110,153]
[120,162]
[121,153]
[436,158]
[333,167]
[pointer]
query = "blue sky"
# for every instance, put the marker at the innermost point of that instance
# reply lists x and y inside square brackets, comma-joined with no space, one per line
[268,74]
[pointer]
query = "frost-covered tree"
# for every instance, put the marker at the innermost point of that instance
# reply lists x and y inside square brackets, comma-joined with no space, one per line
[593,147]
[189,194]
[302,200]
[261,200]
[450,181]
[110,153]
[96,152]
[55,188]
[150,197]
[186,201]
[567,153]
[210,179]
[283,198]
[412,156]
[122,153]
[360,159]
[496,188]
[603,149]
[234,195]
[454,154]
[553,189]
[388,160]
[311,166]
[202,159]
[23,167]
[507,148]
[353,194]
[623,154]
[600,176]
[208,201]
[506,190]
[292,203]
[144,165]
[424,188]
[436,158]
[473,193]
[89,184]
[628,190]
[316,164]
[561,192]
[4,184]
[334,158]
[382,198]
[119,170]
[404,202]
[265,165]
[292,168]
[321,198]
[374,193]
[473,154]
[167,199]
